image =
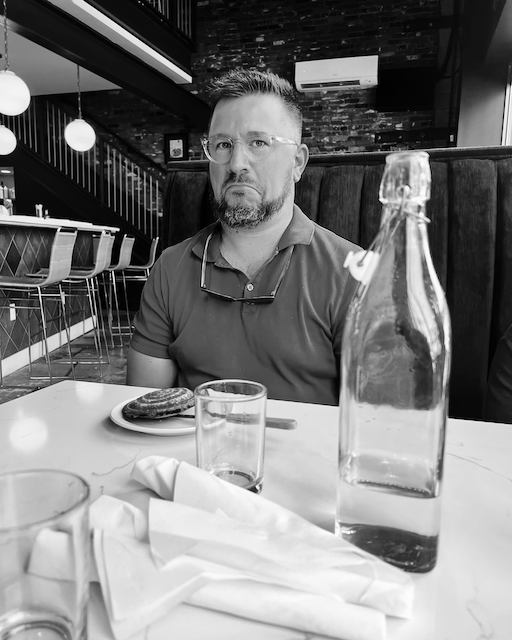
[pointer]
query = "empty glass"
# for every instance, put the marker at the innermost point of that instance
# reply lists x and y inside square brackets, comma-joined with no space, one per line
[230,430]
[44,555]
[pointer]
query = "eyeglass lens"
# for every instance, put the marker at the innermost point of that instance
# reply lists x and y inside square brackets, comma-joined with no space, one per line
[220,148]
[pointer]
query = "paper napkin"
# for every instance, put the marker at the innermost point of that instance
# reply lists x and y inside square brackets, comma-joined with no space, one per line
[389,590]
[141,582]
[211,544]
[215,545]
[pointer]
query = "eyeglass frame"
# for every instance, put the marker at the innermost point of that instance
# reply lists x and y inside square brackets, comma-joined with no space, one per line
[224,296]
[205,141]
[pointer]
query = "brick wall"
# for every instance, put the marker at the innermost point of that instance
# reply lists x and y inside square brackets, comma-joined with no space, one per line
[132,118]
[273,35]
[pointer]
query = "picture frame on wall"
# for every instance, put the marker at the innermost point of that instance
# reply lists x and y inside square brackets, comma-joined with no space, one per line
[175,147]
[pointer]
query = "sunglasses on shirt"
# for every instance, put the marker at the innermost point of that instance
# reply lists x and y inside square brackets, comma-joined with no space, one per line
[267,299]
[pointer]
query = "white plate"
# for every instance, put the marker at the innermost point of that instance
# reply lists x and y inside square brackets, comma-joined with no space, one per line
[174,426]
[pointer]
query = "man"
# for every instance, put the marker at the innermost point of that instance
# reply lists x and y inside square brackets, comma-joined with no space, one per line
[261,294]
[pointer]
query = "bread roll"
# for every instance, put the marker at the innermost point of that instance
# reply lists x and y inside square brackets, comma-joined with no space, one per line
[162,403]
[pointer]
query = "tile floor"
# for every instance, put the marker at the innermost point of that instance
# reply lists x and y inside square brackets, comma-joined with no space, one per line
[19,383]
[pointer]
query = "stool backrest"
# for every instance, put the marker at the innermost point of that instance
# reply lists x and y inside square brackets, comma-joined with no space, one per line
[152,254]
[103,253]
[60,257]
[125,254]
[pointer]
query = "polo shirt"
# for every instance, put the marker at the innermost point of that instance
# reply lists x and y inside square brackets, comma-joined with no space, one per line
[291,345]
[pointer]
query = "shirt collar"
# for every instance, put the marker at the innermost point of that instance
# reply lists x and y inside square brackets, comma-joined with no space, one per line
[300,231]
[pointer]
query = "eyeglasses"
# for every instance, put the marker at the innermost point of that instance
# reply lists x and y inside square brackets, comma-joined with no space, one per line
[219,149]
[256,299]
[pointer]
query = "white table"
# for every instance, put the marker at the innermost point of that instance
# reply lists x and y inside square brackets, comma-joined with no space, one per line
[468,596]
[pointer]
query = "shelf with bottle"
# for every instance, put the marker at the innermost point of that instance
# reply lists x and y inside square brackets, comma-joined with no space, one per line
[7,193]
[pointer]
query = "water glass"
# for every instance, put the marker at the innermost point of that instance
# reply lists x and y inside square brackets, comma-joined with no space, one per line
[44,555]
[230,430]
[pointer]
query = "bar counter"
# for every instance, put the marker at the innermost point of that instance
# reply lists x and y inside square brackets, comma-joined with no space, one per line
[25,246]
[52,223]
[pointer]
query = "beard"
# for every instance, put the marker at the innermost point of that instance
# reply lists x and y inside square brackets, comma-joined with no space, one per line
[249,216]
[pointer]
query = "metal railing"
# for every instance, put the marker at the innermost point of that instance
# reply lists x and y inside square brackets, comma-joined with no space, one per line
[177,12]
[105,172]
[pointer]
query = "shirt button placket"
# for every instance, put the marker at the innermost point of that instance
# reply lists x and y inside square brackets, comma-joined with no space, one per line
[249,307]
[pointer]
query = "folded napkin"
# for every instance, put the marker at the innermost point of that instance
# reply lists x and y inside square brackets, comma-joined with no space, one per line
[211,544]
[215,545]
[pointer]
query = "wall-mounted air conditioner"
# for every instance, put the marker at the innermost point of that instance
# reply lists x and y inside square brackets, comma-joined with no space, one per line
[336,74]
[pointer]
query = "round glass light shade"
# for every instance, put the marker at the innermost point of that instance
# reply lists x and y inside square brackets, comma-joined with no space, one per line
[14,94]
[8,141]
[80,135]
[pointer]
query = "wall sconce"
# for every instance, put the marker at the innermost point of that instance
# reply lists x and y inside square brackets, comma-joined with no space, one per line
[14,93]
[8,141]
[79,134]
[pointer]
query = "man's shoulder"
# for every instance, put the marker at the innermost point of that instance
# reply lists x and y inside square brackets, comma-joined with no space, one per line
[178,251]
[304,230]
[331,241]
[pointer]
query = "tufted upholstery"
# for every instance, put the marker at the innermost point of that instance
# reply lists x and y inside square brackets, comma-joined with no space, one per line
[470,237]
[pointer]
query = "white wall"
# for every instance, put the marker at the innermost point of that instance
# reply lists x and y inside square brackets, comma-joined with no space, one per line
[481,106]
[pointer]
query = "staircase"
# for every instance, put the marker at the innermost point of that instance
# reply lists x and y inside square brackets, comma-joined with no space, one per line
[102,185]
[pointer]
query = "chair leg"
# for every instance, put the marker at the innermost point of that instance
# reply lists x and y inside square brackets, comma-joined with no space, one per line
[99,324]
[88,289]
[126,302]
[45,335]
[107,291]
[95,322]
[66,329]
[95,285]
[116,302]
[59,297]
[35,303]
[128,318]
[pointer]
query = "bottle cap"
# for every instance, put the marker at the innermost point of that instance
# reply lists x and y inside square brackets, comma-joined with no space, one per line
[406,173]
[361,265]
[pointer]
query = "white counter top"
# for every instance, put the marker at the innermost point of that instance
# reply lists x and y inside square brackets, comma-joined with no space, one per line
[467,595]
[52,223]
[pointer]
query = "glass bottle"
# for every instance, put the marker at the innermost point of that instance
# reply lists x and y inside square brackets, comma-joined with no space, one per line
[395,367]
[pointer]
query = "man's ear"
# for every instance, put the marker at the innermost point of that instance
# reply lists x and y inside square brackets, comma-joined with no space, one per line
[301,160]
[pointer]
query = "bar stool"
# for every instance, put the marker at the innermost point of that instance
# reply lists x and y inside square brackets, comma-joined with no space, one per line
[39,288]
[138,273]
[132,270]
[110,287]
[83,282]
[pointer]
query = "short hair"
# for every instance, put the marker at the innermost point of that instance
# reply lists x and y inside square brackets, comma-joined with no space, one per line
[241,82]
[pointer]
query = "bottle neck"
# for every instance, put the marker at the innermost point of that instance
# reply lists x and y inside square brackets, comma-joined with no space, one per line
[401,218]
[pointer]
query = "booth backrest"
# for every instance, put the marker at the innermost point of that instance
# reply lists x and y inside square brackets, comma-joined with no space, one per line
[470,237]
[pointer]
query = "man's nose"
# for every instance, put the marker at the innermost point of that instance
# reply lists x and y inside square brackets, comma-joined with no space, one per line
[239,159]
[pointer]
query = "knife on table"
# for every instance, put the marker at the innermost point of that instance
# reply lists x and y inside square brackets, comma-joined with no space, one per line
[271,423]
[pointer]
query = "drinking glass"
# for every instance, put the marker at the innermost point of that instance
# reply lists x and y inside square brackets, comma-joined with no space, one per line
[230,430]
[44,555]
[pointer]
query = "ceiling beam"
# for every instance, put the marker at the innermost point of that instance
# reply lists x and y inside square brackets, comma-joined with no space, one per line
[137,19]
[55,30]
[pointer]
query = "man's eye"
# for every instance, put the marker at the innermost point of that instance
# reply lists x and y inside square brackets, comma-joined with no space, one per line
[222,145]
[258,143]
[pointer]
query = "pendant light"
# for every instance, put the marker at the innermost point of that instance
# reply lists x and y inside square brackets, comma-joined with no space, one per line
[8,141]
[79,134]
[14,93]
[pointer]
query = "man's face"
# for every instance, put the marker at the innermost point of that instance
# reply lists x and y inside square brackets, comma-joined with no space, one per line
[248,192]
